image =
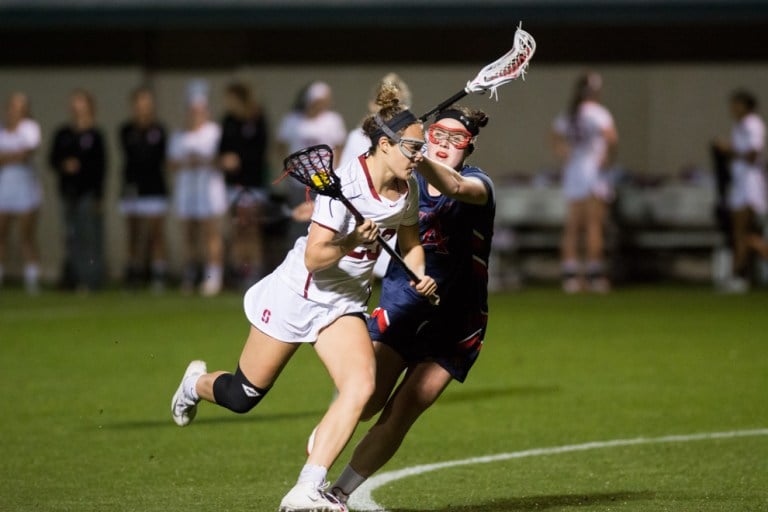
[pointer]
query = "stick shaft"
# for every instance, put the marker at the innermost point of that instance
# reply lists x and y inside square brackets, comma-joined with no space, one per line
[446,103]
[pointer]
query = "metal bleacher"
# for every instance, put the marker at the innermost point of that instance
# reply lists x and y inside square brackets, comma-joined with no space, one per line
[649,227]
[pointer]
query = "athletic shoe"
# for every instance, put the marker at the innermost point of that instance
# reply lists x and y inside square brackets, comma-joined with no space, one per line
[183,406]
[599,285]
[573,285]
[340,495]
[735,285]
[308,497]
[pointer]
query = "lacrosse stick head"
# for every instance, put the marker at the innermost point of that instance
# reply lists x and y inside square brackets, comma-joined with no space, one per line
[508,67]
[313,166]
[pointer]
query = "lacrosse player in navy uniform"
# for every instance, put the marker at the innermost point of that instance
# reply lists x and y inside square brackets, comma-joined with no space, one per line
[318,295]
[433,345]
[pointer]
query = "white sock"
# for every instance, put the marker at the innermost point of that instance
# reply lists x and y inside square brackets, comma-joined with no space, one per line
[570,267]
[31,273]
[314,474]
[213,273]
[190,387]
[348,481]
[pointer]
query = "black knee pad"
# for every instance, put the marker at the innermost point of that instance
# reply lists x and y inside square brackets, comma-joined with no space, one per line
[235,392]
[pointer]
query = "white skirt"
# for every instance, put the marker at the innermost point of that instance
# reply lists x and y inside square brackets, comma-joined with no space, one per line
[20,191]
[149,206]
[276,310]
[748,190]
[200,194]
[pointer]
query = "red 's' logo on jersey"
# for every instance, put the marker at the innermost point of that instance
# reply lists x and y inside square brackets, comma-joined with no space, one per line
[265,316]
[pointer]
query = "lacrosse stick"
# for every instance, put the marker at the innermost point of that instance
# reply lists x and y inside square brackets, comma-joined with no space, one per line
[510,66]
[313,166]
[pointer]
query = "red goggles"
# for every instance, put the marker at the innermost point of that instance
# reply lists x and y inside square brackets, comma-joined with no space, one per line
[458,138]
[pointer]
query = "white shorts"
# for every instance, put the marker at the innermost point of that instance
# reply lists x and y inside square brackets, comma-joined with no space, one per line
[20,191]
[579,184]
[748,191]
[149,206]
[276,310]
[200,194]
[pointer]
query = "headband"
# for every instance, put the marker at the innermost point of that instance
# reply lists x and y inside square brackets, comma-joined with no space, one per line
[471,126]
[394,125]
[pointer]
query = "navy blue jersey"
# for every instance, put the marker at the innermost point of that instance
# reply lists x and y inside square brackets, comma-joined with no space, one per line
[456,237]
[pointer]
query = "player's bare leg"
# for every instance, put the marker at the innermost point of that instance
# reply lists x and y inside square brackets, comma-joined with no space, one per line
[389,366]
[575,221]
[158,251]
[261,361]
[595,223]
[421,386]
[29,251]
[5,225]
[191,231]
[345,349]
[214,247]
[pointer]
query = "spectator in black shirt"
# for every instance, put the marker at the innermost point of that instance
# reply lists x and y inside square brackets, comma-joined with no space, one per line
[145,193]
[78,157]
[242,157]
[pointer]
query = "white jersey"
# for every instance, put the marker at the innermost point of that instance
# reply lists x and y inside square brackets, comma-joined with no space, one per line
[298,131]
[358,143]
[348,282]
[747,179]
[19,187]
[199,191]
[588,147]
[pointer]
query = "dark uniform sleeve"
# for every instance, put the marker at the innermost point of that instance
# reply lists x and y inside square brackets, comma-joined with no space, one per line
[57,156]
[99,163]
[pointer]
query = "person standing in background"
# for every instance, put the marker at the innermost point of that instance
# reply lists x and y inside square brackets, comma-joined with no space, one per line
[200,195]
[585,139]
[20,193]
[243,158]
[310,122]
[79,158]
[747,194]
[145,194]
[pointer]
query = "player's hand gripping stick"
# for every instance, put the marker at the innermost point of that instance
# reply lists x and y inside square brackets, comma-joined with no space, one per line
[313,166]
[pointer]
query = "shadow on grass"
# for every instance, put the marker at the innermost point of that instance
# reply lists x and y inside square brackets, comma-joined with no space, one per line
[253,417]
[472,395]
[542,502]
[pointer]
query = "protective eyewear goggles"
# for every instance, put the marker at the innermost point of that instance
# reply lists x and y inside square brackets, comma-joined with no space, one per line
[410,148]
[458,138]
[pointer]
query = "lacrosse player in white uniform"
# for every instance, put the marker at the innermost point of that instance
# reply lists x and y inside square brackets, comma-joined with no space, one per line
[20,193]
[318,295]
[358,143]
[747,193]
[200,193]
[585,138]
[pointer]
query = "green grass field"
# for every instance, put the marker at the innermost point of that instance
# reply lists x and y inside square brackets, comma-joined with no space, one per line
[87,381]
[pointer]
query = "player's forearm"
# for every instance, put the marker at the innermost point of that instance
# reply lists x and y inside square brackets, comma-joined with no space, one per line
[415,260]
[440,176]
[322,255]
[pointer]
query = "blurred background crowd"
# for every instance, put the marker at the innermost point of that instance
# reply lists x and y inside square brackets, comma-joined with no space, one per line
[140,145]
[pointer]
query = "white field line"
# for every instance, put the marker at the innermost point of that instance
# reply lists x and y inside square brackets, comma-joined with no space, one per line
[362,499]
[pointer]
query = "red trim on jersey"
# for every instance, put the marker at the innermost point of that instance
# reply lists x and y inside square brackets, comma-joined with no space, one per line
[329,228]
[368,177]
[306,285]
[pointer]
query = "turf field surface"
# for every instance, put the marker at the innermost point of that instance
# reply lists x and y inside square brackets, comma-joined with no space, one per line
[87,381]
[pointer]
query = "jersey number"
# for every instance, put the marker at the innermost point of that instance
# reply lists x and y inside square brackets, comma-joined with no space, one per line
[371,251]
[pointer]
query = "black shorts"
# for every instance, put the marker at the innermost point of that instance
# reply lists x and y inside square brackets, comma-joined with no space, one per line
[451,339]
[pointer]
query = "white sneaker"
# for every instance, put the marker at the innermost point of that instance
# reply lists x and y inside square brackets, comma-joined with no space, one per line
[184,407]
[308,497]
[735,285]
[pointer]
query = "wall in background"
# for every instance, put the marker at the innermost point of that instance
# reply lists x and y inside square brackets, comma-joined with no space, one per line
[666,115]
